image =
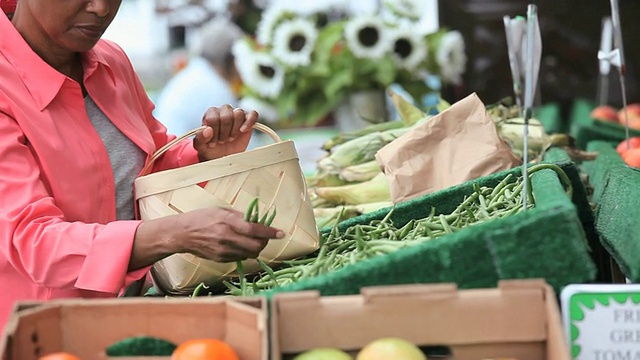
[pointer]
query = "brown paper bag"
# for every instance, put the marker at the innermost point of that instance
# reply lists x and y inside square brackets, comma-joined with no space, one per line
[455,146]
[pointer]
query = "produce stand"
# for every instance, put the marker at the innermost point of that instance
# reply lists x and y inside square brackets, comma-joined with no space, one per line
[585,129]
[547,242]
[616,206]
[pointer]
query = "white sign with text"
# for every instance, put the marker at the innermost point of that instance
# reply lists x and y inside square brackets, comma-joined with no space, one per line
[602,322]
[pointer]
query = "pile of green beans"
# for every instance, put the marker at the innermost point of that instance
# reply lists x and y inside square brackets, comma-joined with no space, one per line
[363,241]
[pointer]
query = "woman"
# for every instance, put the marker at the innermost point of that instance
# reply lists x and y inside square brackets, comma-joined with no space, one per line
[75,131]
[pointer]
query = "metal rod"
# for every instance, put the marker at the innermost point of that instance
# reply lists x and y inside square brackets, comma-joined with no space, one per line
[624,109]
[528,97]
[622,69]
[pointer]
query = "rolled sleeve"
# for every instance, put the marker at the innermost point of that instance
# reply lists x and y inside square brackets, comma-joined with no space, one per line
[105,266]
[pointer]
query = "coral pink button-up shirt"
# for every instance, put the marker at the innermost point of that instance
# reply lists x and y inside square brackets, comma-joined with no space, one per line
[58,234]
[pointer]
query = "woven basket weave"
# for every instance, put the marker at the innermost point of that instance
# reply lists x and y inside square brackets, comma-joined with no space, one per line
[270,173]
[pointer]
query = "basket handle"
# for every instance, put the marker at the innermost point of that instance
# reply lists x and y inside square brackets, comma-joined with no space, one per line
[258,126]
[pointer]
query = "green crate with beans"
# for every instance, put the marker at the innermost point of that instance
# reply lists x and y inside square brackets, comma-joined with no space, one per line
[473,234]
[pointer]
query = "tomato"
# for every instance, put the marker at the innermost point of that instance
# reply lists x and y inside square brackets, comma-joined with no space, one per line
[204,349]
[632,157]
[634,142]
[59,356]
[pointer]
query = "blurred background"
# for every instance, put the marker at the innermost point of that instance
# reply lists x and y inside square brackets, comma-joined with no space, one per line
[158,35]
[162,36]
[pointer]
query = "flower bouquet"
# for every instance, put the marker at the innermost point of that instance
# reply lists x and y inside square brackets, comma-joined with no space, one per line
[304,62]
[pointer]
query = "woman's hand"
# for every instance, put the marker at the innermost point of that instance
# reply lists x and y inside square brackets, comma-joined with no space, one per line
[217,234]
[229,131]
[224,235]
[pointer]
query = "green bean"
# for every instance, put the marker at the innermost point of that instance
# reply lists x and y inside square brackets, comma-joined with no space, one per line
[298,261]
[466,202]
[248,215]
[445,224]
[198,288]
[501,185]
[359,238]
[387,218]
[263,218]
[402,233]
[234,290]
[267,269]
[256,213]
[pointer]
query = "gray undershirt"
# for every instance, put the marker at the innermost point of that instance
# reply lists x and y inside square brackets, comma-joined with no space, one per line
[127,159]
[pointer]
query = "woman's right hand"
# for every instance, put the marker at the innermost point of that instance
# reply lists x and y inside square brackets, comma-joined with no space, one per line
[223,235]
[217,234]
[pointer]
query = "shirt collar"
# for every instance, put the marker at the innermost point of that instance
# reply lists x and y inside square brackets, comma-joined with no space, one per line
[42,81]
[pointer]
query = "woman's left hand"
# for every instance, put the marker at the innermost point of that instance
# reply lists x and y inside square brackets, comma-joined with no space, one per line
[228,132]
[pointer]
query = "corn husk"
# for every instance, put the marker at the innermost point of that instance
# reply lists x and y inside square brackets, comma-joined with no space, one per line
[374,190]
[512,132]
[358,150]
[341,138]
[360,172]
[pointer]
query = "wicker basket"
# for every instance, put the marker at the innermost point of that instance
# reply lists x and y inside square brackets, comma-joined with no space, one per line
[270,173]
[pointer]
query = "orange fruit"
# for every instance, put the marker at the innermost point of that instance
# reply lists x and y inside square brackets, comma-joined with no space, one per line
[632,157]
[204,349]
[59,356]
[634,142]
[605,113]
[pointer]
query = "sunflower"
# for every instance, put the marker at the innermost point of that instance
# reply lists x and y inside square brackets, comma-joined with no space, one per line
[266,111]
[258,70]
[367,38]
[409,48]
[293,42]
[270,18]
[451,57]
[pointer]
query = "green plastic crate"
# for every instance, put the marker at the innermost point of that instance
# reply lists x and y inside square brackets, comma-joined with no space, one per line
[616,198]
[585,129]
[550,117]
[545,242]
[583,201]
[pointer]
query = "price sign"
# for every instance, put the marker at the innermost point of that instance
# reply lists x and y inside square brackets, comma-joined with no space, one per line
[602,322]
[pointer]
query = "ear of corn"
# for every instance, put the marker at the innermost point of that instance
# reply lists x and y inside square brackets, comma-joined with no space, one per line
[344,137]
[374,190]
[324,178]
[358,150]
[512,132]
[360,172]
[328,216]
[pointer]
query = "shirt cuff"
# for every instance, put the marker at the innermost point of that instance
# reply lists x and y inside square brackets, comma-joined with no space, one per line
[105,268]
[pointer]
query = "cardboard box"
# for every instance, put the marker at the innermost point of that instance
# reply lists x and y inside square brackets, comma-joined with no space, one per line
[87,327]
[520,319]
